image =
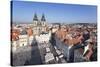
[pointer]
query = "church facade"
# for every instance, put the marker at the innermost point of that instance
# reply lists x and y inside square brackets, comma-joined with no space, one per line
[39,25]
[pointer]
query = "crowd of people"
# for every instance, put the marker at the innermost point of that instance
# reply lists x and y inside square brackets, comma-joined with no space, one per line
[84,38]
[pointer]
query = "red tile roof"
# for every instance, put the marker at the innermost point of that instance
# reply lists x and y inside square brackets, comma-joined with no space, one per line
[15,34]
[61,34]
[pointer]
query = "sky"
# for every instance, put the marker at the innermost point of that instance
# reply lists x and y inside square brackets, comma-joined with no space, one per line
[23,12]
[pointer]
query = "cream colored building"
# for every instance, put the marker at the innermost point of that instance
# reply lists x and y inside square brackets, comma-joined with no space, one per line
[23,38]
[15,45]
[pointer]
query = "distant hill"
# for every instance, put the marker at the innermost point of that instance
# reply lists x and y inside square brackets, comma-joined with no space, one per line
[85,23]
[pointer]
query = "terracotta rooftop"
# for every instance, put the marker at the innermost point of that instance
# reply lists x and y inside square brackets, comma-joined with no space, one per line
[65,37]
[15,34]
[30,31]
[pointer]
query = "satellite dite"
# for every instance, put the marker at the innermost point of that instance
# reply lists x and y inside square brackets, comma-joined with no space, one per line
[52,33]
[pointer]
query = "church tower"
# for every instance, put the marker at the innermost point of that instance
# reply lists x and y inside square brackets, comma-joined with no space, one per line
[43,20]
[35,20]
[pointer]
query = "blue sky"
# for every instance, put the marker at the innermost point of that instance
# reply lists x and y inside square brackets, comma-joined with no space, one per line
[23,12]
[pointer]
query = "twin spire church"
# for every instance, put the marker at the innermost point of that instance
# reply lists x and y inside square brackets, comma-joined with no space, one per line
[39,25]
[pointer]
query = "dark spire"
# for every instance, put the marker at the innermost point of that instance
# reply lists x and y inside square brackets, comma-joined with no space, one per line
[35,17]
[43,18]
